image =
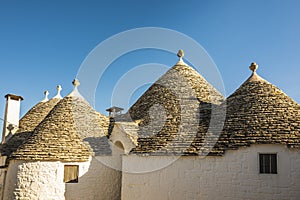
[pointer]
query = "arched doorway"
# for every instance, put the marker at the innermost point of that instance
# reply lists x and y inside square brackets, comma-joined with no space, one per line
[119,147]
[118,152]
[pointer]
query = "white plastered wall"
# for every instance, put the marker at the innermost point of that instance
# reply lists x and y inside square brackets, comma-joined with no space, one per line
[44,180]
[101,182]
[34,180]
[232,176]
[121,136]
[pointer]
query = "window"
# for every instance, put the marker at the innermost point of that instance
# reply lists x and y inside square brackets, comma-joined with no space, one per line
[71,173]
[268,163]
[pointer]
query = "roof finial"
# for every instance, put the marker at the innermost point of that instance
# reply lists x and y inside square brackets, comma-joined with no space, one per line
[253,67]
[58,96]
[180,55]
[76,82]
[75,92]
[46,93]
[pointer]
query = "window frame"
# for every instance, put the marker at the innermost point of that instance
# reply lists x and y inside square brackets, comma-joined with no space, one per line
[273,165]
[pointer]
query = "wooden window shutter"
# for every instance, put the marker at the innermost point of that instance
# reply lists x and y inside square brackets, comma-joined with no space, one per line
[268,163]
[71,173]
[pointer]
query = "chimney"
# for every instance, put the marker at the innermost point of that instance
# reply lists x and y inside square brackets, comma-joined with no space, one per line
[11,115]
[114,111]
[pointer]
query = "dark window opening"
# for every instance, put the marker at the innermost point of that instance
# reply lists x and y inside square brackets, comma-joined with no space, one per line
[268,163]
[71,173]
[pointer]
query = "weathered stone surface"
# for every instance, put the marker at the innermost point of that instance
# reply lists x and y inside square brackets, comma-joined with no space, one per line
[34,180]
[260,113]
[27,124]
[175,116]
[36,115]
[257,113]
[169,112]
[61,134]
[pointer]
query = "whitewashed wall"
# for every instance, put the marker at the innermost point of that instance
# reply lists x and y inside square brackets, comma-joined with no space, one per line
[44,180]
[34,180]
[233,176]
[99,183]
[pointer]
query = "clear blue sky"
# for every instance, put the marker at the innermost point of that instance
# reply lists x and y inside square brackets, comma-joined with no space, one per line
[43,43]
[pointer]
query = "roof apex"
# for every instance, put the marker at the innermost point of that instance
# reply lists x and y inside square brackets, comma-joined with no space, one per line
[75,92]
[58,96]
[46,93]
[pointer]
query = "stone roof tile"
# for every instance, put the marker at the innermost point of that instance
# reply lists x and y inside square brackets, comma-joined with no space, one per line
[36,115]
[168,112]
[256,113]
[260,113]
[27,124]
[61,135]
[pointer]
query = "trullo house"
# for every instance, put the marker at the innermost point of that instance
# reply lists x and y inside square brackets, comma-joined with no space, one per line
[180,140]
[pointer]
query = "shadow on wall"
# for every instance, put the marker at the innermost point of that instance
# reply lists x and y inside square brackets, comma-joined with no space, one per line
[99,145]
[99,182]
[102,177]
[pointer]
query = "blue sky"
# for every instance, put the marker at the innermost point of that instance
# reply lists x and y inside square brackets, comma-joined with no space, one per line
[43,43]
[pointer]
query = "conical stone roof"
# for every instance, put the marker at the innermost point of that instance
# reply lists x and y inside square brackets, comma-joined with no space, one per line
[168,112]
[71,132]
[260,113]
[179,80]
[36,115]
[27,124]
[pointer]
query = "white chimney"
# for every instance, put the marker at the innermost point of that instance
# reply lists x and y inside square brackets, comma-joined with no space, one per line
[11,115]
